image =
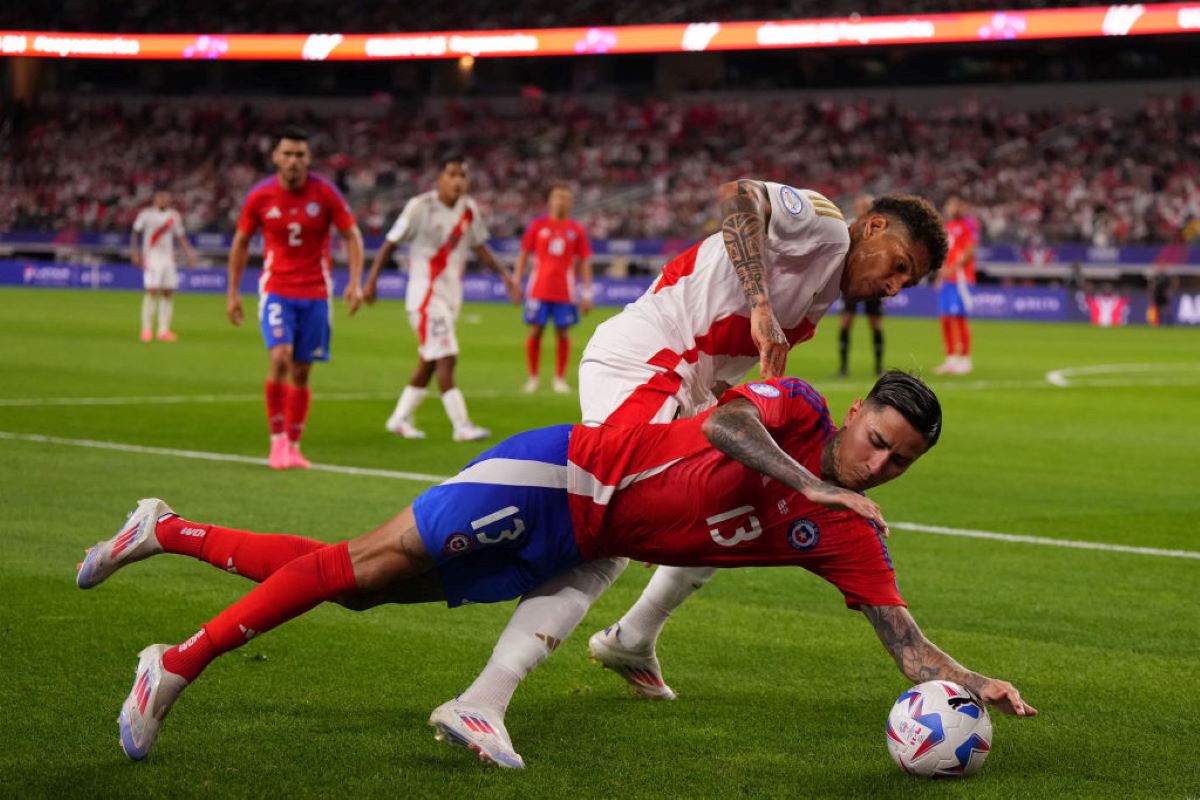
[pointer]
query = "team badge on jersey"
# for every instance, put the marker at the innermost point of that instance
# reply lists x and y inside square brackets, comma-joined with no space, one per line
[764,389]
[804,534]
[791,200]
[457,543]
[313,209]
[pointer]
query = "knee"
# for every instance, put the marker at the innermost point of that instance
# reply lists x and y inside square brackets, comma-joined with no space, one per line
[300,374]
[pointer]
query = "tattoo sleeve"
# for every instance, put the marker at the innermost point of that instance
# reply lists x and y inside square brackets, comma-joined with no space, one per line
[917,657]
[743,230]
[736,430]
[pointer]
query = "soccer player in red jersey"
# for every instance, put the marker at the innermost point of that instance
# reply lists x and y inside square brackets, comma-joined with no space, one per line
[295,210]
[953,284]
[558,244]
[762,479]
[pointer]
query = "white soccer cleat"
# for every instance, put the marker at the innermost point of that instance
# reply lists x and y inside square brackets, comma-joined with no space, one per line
[531,385]
[478,728]
[947,367]
[640,670]
[132,542]
[963,366]
[155,690]
[561,386]
[403,427]
[471,433]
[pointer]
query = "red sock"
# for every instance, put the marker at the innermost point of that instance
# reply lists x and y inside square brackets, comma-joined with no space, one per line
[294,589]
[276,392]
[964,336]
[562,352]
[298,399]
[252,555]
[533,354]
[948,334]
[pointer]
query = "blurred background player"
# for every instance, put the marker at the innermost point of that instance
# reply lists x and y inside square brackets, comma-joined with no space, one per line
[295,210]
[873,307]
[953,287]
[160,226]
[441,226]
[558,244]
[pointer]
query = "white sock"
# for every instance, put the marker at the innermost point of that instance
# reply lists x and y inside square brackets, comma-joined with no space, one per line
[166,306]
[542,620]
[406,406]
[148,304]
[456,408]
[668,588]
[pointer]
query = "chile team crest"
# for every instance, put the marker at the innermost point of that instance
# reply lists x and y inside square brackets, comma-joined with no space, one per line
[804,534]
[457,543]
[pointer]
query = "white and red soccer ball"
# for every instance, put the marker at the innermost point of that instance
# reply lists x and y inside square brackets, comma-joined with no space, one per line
[938,729]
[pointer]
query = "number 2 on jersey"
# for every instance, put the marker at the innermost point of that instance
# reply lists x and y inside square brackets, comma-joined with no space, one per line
[294,234]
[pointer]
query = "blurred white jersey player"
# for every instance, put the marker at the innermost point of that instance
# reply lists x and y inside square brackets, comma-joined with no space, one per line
[159,227]
[442,227]
[744,295]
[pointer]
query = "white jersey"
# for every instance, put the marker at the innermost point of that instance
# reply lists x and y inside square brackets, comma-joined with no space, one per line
[159,229]
[439,237]
[691,329]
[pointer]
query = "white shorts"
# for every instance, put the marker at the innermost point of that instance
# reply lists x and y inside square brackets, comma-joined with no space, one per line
[160,274]
[435,335]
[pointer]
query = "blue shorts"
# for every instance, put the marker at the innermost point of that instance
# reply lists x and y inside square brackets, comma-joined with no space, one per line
[304,324]
[502,526]
[539,312]
[953,300]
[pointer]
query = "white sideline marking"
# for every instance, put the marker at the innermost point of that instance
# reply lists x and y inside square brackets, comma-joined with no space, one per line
[1063,377]
[1012,537]
[426,478]
[153,400]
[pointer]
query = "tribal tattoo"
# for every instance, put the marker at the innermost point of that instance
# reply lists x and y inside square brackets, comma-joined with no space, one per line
[742,230]
[917,657]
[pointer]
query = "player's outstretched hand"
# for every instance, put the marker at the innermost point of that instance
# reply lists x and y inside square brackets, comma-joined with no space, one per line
[514,288]
[370,293]
[827,494]
[233,308]
[585,305]
[771,342]
[353,297]
[1005,697]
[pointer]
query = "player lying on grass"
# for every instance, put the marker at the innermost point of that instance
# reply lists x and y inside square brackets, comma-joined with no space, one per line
[735,486]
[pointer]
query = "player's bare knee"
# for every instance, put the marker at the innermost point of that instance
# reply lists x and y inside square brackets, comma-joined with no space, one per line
[300,372]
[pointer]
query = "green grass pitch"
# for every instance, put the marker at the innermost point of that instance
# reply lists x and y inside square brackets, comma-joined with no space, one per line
[782,692]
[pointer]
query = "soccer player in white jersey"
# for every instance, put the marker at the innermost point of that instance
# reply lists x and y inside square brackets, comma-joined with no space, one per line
[744,295]
[159,226]
[441,227]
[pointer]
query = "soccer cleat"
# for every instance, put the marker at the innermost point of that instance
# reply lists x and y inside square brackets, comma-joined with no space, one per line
[531,385]
[155,690]
[279,453]
[641,671]
[146,335]
[167,336]
[402,427]
[479,729]
[963,366]
[296,459]
[132,542]
[561,386]
[947,367]
[471,433]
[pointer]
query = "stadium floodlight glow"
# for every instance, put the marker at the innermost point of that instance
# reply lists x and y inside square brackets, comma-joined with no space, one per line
[979,26]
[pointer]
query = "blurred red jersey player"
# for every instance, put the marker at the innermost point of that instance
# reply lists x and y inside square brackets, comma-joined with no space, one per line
[558,244]
[295,210]
[953,285]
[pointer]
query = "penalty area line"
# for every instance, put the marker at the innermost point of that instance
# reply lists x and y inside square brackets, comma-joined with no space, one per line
[428,478]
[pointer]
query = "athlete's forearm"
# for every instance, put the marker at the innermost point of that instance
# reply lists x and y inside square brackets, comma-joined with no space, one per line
[354,253]
[519,265]
[486,257]
[585,275]
[239,253]
[744,213]
[918,658]
[382,257]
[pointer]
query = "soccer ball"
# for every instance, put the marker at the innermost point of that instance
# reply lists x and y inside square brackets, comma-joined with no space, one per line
[938,729]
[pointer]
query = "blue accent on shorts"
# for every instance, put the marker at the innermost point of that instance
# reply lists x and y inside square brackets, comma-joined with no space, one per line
[495,541]
[538,312]
[950,301]
[304,324]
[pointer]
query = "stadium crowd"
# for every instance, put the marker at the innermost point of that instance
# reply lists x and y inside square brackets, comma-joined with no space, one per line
[641,170]
[289,16]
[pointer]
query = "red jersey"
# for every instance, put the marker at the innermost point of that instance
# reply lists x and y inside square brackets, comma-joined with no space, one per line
[963,233]
[555,244]
[664,494]
[295,228]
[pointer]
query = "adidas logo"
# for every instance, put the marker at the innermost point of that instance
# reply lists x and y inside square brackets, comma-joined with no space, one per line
[191,641]
[191,531]
[229,567]
[274,213]
[551,641]
[249,634]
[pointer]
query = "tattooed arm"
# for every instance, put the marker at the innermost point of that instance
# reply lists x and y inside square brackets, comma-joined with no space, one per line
[736,429]
[745,213]
[921,660]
